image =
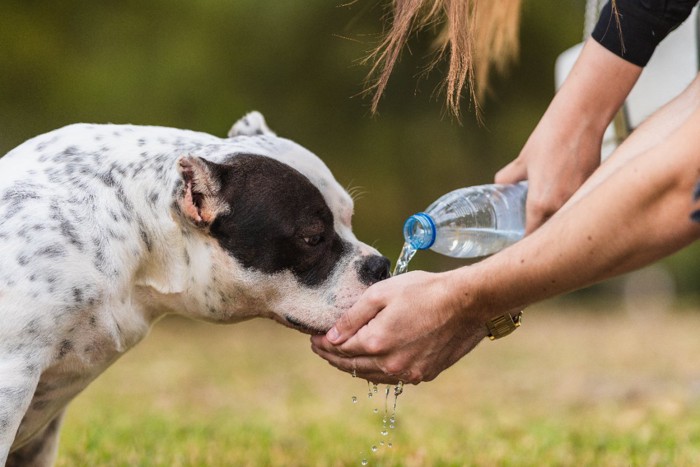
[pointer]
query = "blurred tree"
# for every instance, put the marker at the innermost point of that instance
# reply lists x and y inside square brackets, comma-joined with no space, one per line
[201,65]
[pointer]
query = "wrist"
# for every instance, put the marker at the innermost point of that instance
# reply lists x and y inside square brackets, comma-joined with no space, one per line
[471,294]
[577,117]
[478,308]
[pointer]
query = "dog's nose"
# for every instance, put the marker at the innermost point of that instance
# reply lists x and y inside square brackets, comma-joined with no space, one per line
[374,269]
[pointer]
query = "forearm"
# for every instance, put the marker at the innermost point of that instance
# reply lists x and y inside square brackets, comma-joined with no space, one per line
[653,131]
[637,215]
[564,150]
[595,89]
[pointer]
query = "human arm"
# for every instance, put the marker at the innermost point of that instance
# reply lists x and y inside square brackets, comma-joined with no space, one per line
[635,215]
[564,149]
[412,327]
[650,133]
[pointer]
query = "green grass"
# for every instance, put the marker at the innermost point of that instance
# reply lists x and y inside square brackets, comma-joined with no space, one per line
[569,388]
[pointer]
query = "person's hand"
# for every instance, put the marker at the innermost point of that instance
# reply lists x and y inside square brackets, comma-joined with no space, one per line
[407,328]
[558,157]
[564,149]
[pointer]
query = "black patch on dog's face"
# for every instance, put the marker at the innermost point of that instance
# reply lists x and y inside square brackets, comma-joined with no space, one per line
[278,219]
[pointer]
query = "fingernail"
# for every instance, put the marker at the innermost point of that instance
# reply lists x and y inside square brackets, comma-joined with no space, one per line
[333,335]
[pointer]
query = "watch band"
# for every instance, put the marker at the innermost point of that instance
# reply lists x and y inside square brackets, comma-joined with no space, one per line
[502,325]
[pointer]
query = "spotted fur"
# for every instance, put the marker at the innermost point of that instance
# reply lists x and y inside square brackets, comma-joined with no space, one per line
[104,229]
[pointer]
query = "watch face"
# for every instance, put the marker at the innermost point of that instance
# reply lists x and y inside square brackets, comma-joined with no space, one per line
[503,325]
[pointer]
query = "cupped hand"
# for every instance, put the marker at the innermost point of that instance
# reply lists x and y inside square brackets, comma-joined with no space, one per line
[407,328]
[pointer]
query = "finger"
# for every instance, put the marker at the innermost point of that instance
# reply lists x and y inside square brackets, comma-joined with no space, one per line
[533,220]
[536,207]
[323,344]
[380,378]
[511,173]
[355,318]
[353,347]
[363,367]
[348,365]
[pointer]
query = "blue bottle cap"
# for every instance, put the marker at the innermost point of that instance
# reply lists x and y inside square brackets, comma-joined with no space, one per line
[419,231]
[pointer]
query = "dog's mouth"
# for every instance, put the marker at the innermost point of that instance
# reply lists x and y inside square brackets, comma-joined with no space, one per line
[305,328]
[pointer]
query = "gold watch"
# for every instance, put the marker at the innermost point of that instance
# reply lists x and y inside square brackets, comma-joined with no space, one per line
[502,325]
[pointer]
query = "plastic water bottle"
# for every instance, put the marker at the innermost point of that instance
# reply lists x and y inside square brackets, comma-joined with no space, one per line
[470,222]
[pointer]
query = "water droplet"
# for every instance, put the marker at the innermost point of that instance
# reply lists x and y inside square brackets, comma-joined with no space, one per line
[392,426]
[384,432]
[374,448]
[354,400]
[390,445]
[364,461]
[376,410]
[392,420]
[374,388]
[381,443]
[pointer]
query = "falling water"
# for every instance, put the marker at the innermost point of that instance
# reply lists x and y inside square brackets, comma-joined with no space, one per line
[388,421]
[388,414]
[405,257]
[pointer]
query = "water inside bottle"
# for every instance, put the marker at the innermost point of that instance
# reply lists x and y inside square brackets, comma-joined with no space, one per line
[473,243]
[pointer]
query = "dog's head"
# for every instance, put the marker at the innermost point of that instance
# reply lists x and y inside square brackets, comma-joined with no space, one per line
[280,227]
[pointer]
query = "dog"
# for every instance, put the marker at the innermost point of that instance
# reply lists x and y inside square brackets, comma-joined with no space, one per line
[104,229]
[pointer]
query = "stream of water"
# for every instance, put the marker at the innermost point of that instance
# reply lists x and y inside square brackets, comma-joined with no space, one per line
[388,417]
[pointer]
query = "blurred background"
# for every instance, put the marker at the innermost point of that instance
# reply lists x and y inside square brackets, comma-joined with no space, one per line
[203,64]
[575,388]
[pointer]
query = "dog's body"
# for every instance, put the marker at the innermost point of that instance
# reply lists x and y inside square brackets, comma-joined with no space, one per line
[104,229]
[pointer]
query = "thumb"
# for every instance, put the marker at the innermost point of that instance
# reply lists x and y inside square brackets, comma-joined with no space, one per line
[511,173]
[353,320]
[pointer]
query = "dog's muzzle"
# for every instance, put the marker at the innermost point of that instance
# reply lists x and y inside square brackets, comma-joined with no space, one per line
[373,269]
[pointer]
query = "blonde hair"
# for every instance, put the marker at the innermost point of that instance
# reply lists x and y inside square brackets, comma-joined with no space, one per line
[477,36]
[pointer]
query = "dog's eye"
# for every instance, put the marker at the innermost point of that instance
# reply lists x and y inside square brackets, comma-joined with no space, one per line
[313,240]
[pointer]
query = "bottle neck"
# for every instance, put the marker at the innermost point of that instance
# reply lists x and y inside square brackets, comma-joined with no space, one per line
[419,231]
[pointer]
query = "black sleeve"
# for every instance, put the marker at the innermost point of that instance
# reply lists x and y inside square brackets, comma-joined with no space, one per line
[642,25]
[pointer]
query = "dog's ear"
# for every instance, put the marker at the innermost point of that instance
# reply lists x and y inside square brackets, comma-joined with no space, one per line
[253,124]
[200,201]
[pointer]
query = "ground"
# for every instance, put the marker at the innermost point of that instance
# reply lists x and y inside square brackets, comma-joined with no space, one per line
[586,386]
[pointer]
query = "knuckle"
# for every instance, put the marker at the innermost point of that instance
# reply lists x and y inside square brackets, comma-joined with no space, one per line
[375,345]
[373,295]
[415,376]
[394,367]
[542,207]
[500,177]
